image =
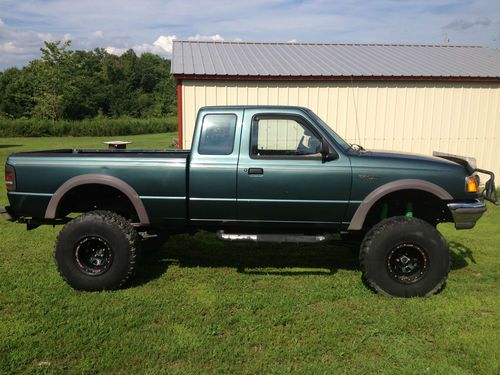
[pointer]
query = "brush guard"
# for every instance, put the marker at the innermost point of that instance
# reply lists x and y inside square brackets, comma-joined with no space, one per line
[489,192]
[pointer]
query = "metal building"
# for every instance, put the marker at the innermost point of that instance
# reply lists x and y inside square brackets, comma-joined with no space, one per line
[413,98]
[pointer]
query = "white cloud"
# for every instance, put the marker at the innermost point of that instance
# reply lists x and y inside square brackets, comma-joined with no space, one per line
[213,38]
[97,34]
[463,24]
[115,50]
[162,45]
[45,36]
[164,42]
[292,41]
[18,47]
[10,47]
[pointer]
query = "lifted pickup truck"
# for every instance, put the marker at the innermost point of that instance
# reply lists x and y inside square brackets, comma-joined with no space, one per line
[254,173]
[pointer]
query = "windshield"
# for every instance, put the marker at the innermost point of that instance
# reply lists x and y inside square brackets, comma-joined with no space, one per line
[330,131]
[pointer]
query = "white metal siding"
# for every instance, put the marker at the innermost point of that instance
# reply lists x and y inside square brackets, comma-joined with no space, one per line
[420,117]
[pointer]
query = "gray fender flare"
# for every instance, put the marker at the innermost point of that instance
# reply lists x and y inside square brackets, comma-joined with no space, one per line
[408,184]
[86,179]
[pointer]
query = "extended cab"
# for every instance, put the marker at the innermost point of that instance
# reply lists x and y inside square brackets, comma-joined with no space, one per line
[254,173]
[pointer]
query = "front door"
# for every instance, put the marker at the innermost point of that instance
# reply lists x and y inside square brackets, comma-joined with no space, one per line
[282,177]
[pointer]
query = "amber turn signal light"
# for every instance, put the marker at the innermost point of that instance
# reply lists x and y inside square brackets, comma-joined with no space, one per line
[472,184]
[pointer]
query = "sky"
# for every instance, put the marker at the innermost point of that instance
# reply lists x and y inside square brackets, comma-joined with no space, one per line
[152,25]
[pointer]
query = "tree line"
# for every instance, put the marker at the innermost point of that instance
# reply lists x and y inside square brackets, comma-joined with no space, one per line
[66,84]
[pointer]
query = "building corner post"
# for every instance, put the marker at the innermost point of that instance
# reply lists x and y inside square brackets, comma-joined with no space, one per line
[179,114]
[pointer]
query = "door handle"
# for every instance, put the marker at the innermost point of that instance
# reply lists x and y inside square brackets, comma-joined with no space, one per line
[253,171]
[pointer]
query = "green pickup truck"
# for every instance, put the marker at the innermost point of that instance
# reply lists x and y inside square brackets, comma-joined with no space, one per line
[254,173]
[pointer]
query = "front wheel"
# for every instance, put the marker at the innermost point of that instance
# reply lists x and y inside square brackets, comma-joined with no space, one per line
[404,257]
[96,251]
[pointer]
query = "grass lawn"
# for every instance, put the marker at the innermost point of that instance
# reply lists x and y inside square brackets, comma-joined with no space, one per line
[202,306]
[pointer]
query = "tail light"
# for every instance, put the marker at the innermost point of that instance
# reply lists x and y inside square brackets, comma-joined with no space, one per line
[472,184]
[10,178]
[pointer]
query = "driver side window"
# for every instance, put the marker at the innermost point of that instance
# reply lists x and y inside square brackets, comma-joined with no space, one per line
[275,137]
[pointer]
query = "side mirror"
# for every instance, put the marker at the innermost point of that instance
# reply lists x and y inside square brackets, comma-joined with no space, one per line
[327,154]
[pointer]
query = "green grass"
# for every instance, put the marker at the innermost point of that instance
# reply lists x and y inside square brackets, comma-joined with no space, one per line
[16,144]
[201,306]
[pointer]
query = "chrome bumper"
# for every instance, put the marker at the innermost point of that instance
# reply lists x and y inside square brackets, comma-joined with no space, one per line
[465,215]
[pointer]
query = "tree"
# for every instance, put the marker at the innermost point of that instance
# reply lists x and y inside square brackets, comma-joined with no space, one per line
[87,97]
[16,93]
[53,79]
[69,84]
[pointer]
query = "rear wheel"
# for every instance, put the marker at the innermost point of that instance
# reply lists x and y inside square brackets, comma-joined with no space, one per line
[404,257]
[96,251]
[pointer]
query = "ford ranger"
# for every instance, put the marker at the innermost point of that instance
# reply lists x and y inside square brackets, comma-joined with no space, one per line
[254,173]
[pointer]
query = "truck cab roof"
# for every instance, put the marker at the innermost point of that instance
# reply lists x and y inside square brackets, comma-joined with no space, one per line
[264,107]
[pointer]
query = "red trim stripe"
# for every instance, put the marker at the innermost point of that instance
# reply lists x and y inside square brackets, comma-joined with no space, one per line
[179,113]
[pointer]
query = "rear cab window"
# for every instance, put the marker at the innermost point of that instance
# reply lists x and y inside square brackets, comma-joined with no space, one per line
[217,134]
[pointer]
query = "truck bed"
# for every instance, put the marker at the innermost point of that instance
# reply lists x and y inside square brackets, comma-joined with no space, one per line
[157,176]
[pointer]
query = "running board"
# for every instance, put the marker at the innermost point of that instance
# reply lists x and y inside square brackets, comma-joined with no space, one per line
[276,238]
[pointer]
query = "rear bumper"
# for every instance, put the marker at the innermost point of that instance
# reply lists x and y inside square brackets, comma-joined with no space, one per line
[466,214]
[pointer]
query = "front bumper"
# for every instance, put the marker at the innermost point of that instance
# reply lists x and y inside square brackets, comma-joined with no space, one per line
[466,214]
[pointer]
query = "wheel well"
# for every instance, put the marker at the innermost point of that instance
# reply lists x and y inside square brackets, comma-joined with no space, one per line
[416,203]
[89,197]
